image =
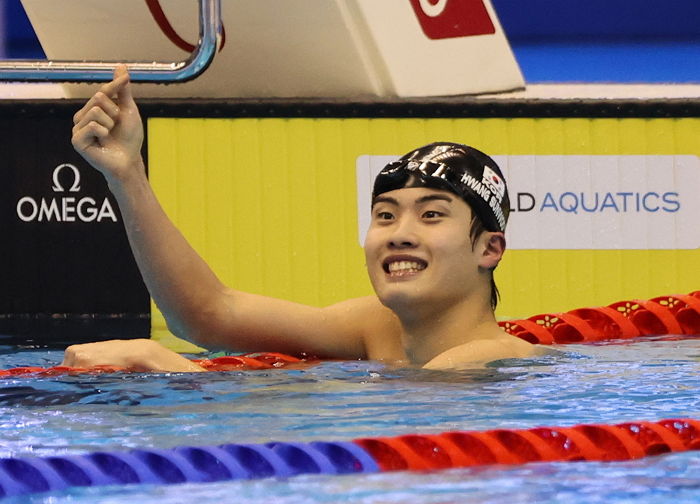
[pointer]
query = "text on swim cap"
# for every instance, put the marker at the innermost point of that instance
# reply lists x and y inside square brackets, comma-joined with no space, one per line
[484,193]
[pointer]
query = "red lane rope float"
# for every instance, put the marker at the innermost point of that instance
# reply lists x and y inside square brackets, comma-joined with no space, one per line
[591,442]
[251,361]
[258,360]
[677,314]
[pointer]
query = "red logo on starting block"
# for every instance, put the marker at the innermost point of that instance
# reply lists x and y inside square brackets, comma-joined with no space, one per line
[442,19]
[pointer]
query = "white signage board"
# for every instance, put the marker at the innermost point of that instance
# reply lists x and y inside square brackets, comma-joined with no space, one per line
[293,48]
[586,202]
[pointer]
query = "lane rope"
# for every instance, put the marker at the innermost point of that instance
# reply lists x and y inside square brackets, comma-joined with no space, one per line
[676,315]
[416,452]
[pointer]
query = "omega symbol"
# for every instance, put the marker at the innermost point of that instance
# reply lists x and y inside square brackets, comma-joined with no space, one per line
[57,187]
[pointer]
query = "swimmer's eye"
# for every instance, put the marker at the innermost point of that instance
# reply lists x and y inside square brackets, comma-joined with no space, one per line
[383,216]
[432,214]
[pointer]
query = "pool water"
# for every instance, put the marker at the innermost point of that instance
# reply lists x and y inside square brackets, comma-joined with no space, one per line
[334,401]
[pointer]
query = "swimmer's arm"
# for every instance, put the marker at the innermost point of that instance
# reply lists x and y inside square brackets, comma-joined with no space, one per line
[357,328]
[108,133]
[198,307]
[148,355]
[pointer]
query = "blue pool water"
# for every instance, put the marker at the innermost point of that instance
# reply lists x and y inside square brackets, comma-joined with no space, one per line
[644,380]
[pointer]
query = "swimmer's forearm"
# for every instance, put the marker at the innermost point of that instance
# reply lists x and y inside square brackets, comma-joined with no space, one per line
[178,279]
[108,133]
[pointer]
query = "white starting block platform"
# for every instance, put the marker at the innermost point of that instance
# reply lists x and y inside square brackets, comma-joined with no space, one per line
[293,48]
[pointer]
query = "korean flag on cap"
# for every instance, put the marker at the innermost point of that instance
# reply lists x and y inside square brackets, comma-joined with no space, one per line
[494,183]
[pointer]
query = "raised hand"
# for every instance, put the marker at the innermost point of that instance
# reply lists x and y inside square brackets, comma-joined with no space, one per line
[108,132]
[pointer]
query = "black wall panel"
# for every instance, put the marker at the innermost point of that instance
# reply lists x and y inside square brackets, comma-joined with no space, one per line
[66,271]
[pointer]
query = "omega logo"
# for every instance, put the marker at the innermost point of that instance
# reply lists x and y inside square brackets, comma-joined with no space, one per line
[65,208]
[57,187]
[433,9]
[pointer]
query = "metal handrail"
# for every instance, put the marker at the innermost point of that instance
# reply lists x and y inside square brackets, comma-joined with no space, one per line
[101,71]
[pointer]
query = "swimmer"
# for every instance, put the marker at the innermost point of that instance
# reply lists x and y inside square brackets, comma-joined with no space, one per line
[436,236]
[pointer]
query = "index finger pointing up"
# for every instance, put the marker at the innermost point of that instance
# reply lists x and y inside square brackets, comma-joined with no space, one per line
[121,77]
[108,91]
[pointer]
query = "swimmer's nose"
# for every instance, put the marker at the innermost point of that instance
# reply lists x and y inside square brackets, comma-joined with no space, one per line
[403,235]
[401,244]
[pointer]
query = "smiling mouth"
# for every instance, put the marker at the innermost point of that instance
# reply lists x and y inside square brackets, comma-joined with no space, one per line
[402,268]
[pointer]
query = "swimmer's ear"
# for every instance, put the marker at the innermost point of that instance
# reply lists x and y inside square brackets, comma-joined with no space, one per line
[493,248]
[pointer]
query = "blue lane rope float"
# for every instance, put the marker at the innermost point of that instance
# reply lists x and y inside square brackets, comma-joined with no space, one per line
[204,464]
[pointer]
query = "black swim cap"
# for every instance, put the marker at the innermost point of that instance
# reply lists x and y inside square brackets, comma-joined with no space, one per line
[457,168]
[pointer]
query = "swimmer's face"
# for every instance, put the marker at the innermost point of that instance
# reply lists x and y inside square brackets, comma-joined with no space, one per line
[418,248]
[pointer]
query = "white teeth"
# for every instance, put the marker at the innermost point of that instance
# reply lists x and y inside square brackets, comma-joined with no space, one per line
[405,267]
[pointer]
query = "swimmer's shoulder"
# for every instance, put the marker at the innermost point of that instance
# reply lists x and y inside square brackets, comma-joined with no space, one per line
[378,326]
[480,352]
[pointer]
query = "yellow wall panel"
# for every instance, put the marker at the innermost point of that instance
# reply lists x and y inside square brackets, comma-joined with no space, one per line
[271,204]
